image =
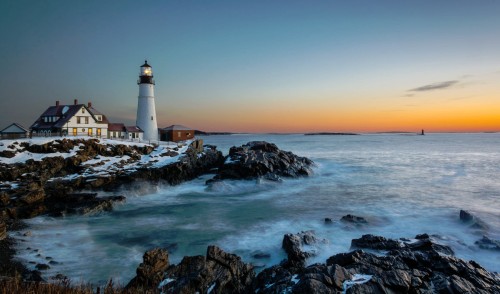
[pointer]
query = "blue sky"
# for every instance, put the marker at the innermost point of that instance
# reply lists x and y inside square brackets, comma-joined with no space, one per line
[258,65]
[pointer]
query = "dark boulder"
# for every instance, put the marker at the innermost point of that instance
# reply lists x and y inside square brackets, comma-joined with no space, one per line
[424,242]
[357,220]
[218,272]
[375,242]
[262,159]
[473,221]
[294,244]
[275,279]
[261,255]
[82,203]
[151,271]
[42,266]
[466,216]
[487,243]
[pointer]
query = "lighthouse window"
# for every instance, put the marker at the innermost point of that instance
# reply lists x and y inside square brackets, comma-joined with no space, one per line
[151,117]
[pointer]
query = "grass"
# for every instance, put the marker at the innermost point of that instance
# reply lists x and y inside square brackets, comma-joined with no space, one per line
[9,285]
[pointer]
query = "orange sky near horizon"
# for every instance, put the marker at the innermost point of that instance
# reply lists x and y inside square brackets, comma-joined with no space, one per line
[439,111]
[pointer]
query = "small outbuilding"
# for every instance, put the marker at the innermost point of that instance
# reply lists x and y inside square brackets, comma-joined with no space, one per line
[134,133]
[175,133]
[14,131]
[116,131]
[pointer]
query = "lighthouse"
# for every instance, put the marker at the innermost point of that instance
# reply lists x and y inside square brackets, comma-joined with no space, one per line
[146,113]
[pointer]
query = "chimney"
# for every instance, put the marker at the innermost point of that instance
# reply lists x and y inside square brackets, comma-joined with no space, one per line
[89,104]
[76,101]
[57,103]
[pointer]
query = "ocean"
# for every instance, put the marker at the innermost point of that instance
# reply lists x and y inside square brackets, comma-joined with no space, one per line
[402,184]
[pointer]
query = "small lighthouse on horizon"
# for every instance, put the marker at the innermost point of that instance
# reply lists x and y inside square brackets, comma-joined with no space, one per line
[146,113]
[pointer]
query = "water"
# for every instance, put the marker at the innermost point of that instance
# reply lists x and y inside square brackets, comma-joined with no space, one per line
[402,184]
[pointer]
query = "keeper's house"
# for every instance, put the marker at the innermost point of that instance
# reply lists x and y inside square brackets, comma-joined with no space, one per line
[14,131]
[175,133]
[71,120]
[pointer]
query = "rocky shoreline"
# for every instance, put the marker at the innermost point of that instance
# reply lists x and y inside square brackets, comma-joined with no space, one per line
[417,265]
[63,185]
[66,176]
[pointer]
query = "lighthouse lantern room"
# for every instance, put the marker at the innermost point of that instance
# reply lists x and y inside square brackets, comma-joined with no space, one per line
[146,113]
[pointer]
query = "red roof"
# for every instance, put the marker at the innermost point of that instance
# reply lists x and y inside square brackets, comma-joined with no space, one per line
[116,127]
[133,129]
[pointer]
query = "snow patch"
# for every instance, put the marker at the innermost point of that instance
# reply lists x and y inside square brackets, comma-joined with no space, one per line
[211,288]
[164,282]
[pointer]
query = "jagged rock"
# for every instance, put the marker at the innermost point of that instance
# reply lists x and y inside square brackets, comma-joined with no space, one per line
[424,243]
[472,221]
[354,219]
[328,220]
[32,197]
[7,153]
[487,243]
[262,159]
[218,272]
[275,279]
[375,242]
[321,279]
[82,203]
[37,195]
[293,244]
[151,271]
[466,216]
[4,198]
[42,266]
[3,229]
[405,269]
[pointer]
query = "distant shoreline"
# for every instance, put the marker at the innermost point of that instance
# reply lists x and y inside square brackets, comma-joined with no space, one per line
[330,134]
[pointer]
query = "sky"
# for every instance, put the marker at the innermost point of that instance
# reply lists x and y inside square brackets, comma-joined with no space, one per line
[259,66]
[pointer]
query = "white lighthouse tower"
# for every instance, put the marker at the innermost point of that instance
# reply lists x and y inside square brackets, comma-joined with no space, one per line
[146,113]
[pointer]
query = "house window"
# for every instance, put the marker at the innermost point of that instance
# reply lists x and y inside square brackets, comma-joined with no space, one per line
[98,132]
[83,130]
[90,131]
[75,131]
[178,134]
[78,120]
[83,110]
[86,119]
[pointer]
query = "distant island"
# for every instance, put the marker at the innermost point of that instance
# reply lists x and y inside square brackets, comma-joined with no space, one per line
[330,134]
[198,132]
